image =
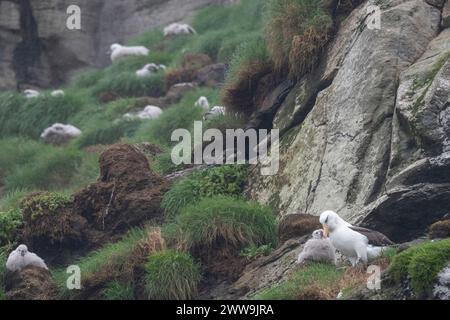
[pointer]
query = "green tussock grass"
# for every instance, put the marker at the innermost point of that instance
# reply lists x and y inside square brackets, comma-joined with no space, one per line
[171,275]
[226,180]
[29,117]
[10,221]
[109,260]
[297,31]
[309,280]
[421,263]
[224,221]
[179,116]
[119,291]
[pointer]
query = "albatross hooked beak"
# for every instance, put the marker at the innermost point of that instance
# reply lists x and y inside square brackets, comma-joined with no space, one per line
[326,231]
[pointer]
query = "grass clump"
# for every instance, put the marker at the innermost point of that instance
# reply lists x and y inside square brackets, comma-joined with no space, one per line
[297,32]
[108,133]
[251,62]
[29,117]
[171,275]
[119,291]
[422,264]
[224,222]
[311,282]
[100,267]
[226,180]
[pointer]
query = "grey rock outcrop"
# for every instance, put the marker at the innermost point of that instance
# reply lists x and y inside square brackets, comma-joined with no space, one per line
[376,105]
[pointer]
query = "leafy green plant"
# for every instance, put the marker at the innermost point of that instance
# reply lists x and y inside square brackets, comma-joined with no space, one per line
[171,275]
[222,221]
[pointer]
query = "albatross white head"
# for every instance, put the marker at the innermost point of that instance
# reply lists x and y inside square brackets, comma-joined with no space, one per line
[330,220]
[22,250]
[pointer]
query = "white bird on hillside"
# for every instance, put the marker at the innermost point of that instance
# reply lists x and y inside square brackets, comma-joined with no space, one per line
[356,243]
[214,113]
[175,29]
[203,103]
[21,258]
[318,249]
[118,51]
[150,69]
[29,93]
[150,112]
[57,93]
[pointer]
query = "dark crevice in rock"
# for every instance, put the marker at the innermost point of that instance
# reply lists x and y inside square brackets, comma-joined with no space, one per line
[27,54]
[309,105]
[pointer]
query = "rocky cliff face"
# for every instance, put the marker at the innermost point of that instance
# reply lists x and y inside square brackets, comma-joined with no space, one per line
[367,134]
[37,50]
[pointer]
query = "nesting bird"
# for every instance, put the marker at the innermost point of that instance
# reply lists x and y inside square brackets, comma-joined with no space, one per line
[118,51]
[317,249]
[60,133]
[57,93]
[356,243]
[150,69]
[29,93]
[21,258]
[203,103]
[175,29]
[214,113]
[149,112]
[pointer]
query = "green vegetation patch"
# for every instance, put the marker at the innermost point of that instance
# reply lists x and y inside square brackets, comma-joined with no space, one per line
[172,275]
[47,203]
[226,180]
[421,263]
[224,222]
[119,291]
[306,283]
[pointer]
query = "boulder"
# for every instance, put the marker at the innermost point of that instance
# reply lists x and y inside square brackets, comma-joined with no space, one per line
[441,288]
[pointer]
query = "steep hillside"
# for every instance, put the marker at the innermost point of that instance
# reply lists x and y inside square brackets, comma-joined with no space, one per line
[363,115]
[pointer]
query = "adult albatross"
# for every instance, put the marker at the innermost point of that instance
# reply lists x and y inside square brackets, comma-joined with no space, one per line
[357,243]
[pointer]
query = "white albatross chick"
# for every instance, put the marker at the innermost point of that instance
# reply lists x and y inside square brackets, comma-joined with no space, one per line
[215,112]
[119,52]
[318,249]
[150,69]
[149,113]
[21,258]
[57,93]
[60,133]
[29,93]
[356,243]
[203,103]
[176,29]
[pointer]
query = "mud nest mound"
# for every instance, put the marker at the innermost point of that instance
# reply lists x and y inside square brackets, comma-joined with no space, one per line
[297,225]
[32,283]
[126,194]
